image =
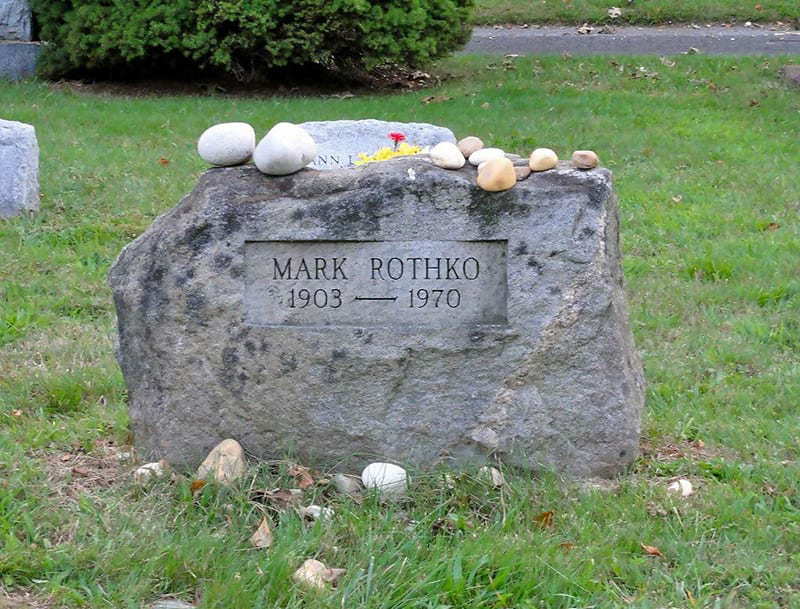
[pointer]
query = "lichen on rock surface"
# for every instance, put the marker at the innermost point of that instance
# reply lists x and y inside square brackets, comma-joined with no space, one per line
[553,382]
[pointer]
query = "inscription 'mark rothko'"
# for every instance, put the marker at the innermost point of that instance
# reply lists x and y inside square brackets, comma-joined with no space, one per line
[375,283]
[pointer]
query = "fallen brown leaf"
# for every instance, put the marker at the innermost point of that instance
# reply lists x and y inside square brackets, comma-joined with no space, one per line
[262,538]
[651,550]
[545,519]
[773,226]
[80,471]
[280,499]
[435,99]
[197,486]
[164,162]
[16,412]
[302,476]
[566,546]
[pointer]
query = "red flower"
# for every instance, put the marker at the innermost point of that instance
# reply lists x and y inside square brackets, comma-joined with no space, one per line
[397,137]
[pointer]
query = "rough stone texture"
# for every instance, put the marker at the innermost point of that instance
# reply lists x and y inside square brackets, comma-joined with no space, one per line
[559,385]
[18,59]
[340,142]
[791,74]
[19,169]
[15,20]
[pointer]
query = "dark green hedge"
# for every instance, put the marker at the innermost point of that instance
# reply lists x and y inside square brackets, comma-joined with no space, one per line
[244,38]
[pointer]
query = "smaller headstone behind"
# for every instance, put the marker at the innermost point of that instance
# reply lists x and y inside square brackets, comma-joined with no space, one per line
[18,55]
[15,20]
[340,142]
[19,169]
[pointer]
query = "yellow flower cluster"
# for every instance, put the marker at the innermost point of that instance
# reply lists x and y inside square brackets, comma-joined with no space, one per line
[384,154]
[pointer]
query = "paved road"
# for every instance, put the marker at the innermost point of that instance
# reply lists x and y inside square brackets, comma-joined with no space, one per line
[668,40]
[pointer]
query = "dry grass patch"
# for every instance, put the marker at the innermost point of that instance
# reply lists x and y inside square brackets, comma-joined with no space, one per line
[23,599]
[76,472]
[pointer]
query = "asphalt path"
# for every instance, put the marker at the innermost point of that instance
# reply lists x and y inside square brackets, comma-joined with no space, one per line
[630,40]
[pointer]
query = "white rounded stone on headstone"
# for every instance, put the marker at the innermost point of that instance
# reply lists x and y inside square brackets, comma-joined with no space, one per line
[485,154]
[447,155]
[19,169]
[389,479]
[285,149]
[227,144]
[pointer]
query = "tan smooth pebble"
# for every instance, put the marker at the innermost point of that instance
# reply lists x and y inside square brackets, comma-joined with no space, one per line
[470,144]
[522,172]
[585,159]
[497,175]
[225,463]
[542,159]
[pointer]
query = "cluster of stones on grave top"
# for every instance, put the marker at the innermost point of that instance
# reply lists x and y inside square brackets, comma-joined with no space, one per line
[287,148]
[341,313]
[18,53]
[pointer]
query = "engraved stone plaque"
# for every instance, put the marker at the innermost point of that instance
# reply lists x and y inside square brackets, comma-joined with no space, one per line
[375,283]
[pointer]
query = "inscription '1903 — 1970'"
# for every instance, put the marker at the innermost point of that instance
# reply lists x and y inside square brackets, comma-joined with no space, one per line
[375,283]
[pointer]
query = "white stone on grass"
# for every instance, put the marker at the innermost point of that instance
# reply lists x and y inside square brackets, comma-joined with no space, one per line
[485,154]
[389,479]
[315,574]
[493,475]
[19,169]
[169,603]
[447,155]
[347,485]
[227,144]
[285,149]
[150,471]
[683,487]
[317,512]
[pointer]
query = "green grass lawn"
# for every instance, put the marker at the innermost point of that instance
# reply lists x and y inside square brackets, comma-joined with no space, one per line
[637,11]
[705,156]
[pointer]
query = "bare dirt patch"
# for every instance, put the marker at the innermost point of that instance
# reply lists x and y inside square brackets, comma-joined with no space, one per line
[386,80]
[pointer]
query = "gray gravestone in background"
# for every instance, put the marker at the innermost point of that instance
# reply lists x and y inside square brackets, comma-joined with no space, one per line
[19,169]
[15,20]
[340,142]
[392,311]
[18,55]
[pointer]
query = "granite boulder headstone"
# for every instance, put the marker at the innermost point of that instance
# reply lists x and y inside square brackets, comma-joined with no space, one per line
[394,311]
